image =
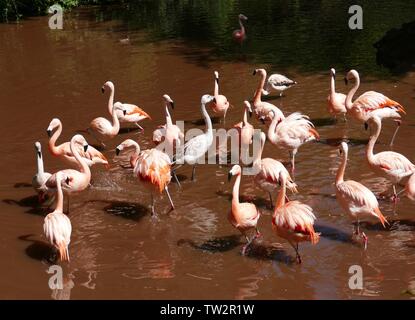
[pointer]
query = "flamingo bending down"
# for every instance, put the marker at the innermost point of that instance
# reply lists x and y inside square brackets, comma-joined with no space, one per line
[371,103]
[239,35]
[102,129]
[76,181]
[57,226]
[41,176]
[196,148]
[133,113]
[279,83]
[357,200]
[410,188]
[92,156]
[291,133]
[389,164]
[129,144]
[243,216]
[263,110]
[269,172]
[245,132]
[293,220]
[221,103]
[336,102]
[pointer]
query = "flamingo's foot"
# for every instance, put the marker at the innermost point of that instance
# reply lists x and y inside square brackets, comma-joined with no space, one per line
[244,249]
[365,240]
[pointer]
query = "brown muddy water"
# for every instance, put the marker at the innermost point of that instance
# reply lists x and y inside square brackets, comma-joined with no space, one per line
[117,250]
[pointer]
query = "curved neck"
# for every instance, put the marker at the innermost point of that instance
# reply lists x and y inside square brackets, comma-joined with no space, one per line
[342,169]
[258,157]
[168,117]
[59,201]
[135,154]
[332,85]
[372,142]
[258,92]
[115,121]
[207,120]
[111,101]
[235,190]
[242,26]
[39,162]
[281,196]
[352,92]
[272,126]
[216,91]
[245,119]
[84,167]
[53,139]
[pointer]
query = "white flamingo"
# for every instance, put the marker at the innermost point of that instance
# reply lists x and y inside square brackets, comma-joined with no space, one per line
[279,83]
[41,176]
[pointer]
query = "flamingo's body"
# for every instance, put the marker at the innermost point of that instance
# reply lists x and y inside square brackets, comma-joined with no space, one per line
[279,83]
[293,220]
[132,114]
[129,144]
[410,188]
[245,133]
[291,133]
[264,111]
[41,176]
[221,103]
[57,226]
[92,156]
[239,35]
[371,103]
[336,102]
[356,199]
[243,216]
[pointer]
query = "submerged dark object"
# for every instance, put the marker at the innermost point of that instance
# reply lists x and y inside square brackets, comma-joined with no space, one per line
[396,50]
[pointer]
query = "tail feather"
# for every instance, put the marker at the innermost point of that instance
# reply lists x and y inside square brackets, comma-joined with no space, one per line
[315,134]
[314,236]
[381,217]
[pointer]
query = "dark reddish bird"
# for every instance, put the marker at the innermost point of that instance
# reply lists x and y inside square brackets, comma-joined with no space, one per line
[239,35]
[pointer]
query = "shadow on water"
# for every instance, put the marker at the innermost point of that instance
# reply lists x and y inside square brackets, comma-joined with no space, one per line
[38,250]
[261,251]
[221,244]
[123,209]
[22,185]
[335,142]
[201,122]
[322,122]
[258,201]
[126,130]
[394,225]
[30,202]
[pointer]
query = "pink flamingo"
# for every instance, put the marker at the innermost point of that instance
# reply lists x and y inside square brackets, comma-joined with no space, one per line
[357,200]
[57,226]
[388,164]
[132,114]
[293,220]
[336,101]
[291,133]
[245,133]
[41,176]
[269,172]
[92,156]
[239,35]
[102,129]
[129,144]
[410,188]
[264,110]
[76,181]
[371,103]
[221,103]
[243,216]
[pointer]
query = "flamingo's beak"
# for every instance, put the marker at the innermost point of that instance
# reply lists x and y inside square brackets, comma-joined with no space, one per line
[214,100]
[67,180]
[254,73]
[366,126]
[49,132]
[334,76]
[262,120]
[102,89]
[217,80]
[39,154]
[117,151]
[172,104]
[85,147]
[229,176]
[346,82]
[250,114]
[124,112]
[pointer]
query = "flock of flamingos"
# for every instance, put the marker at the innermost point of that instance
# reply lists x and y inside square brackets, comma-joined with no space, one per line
[154,168]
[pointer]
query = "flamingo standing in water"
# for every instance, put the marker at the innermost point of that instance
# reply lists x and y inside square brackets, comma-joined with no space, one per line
[132,114]
[243,216]
[76,181]
[41,176]
[239,35]
[92,156]
[221,103]
[245,133]
[336,102]
[264,111]
[268,172]
[57,226]
[102,129]
[389,164]
[357,200]
[291,133]
[293,220]
[371,103]
[410,188]
[279,83]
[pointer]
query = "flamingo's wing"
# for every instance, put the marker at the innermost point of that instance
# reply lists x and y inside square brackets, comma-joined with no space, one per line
[279,80]
[154,166]
[357,194]
[133,109]
[395,162]
[372,100]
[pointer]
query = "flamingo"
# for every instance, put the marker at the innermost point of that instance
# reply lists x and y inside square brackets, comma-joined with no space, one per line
[63,151]
[278,82]
[371,103]
[76,181]
[102,129]
[57,226]
[239,35]
[263,110]
[243,216]
[410,188]
[293,220]
[336,102]
[129,144]
[221,103]
[291,133]
[246,132]
[268,172]
[196,148]
[389,164]
[132,114]
[356,199]
[41,176]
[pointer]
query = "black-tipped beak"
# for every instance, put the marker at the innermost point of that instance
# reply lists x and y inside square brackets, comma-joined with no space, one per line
[334,76]
[366,126]
[67,180]
[172,104]
[124,112]
[214,100]
[49,132]
[229,176]
[102,89]
[262,120]
[39,154]
[85,147]
[346,82]
[254,73]
[217,80]
[117,151]
[250,114]
[340,151]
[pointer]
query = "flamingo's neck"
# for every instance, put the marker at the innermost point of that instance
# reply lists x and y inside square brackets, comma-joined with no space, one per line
[83,165]
[245,119]
[52,140]
[168,117]
[258,156]
[242,26]
[332,86]
[372,142]
[272,127]
[352,92]
[216,90]
[342,169]
[39,161]
[235,190]
[135,154]
[59,201]
[258,92]
[111,101]
[208,122]
[281,196]
[115,122]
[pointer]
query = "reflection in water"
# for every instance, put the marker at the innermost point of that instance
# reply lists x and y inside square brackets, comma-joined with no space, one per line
[65,292]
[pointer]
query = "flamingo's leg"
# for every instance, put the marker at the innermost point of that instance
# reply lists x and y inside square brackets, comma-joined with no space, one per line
[140,127]
[398,122]
[175,178]
[168,195]
[270,200]
[298,257]
[292,155]
[152,205]
[194,173]
[344,117]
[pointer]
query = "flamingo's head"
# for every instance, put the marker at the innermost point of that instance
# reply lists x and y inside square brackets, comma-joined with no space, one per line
[333,73]
[248,107]
[52,126]
[125,145]
[107,84]
[118,106]
[216,76]
[207,98]
[168,100]
[38,149]
[236,170]
[344,148]
[78,138]
[261,71]
[352,74]
[243,17]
